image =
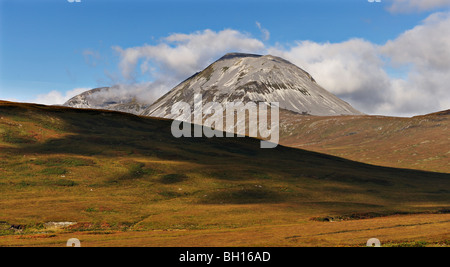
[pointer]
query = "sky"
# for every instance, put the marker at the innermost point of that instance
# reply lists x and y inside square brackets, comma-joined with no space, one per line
[384,58]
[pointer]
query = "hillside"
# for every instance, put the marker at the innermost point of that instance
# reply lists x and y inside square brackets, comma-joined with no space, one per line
[420,142]
[115,173]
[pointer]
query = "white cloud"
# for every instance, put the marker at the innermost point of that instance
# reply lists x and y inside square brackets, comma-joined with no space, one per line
[407,6]
[181,55]
[145,92]
[426,46]
[56,97]
[356,70]
[264,32]
[426,50]
[352,70]
[176,58]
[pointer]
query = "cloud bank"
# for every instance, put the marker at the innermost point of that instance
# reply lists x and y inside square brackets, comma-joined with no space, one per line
[406,76]
[425,49]
[362,73]
[181,55]
[352,70]
[56,97]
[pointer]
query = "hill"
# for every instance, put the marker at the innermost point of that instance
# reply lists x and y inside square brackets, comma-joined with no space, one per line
[420,142]
[113,174]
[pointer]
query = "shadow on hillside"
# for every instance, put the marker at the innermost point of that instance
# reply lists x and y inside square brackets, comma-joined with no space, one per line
[112,134]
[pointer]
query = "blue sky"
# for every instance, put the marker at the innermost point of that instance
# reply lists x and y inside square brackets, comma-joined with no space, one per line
[55,45]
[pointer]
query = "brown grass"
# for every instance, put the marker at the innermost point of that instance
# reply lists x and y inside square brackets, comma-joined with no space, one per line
[425,230]
[126,181]
[420,142]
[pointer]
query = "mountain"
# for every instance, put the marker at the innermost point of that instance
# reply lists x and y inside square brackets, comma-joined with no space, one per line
[107,98]
[234,77]
[256,78]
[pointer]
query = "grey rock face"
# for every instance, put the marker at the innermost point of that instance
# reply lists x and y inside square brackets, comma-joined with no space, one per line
[248,77]
[234,77]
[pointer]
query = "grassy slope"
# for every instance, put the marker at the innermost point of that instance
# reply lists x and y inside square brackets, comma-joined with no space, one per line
[420,142]
[113,171]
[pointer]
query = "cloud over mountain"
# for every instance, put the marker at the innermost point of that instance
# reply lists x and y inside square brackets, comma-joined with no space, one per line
[181,55]
[365,74]
[56,97]
[405,76]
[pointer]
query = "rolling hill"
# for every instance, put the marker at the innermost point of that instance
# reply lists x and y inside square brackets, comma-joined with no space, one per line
[420,142]
[117,176]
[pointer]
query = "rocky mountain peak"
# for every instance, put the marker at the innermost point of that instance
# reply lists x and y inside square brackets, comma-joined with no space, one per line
[232,78]
[249,77]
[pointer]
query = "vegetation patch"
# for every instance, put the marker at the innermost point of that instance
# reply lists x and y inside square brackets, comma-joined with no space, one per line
[414,244]
[226,175]
[239,176]
[135,170]
[25,184]
[246,195]
[351,178]
[54,171]
[172,194]
[5,229]
[65,182]
[66,162]
[15,137]
[173,178]
[258,174]
[91,209]
[371,215]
